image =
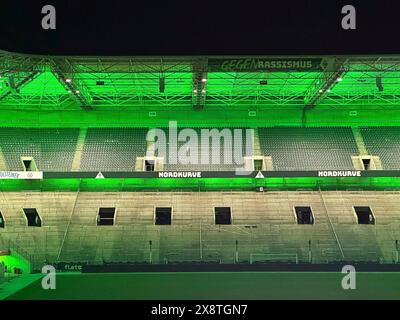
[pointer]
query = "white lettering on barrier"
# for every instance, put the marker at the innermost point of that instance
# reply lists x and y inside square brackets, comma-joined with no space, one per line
[179,174]
[344,173]
[23,175]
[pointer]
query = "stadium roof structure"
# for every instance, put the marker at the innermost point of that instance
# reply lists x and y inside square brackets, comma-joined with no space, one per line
[302,82]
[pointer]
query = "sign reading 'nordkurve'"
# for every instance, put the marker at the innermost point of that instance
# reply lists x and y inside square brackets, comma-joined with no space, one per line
[214,174]
[270,64]
[339,173]
[179,174]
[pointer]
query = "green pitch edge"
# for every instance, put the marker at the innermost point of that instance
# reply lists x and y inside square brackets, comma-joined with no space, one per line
[201,184]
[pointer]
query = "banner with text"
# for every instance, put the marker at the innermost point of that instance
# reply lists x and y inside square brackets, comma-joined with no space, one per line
[222,174]
[24,175]
[269,64]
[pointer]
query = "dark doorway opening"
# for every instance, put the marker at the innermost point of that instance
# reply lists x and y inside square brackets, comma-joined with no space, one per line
[149,165]
[27,165]
[258,165]
[2,223]
[223,215]
[33,218]
[106,217]
[366,163]
[364,215]
[163,216]
[304,215]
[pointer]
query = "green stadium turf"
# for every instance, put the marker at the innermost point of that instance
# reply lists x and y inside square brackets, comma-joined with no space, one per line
[211,285]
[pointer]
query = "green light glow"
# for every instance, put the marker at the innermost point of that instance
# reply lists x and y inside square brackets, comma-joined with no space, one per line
[15,260]
[201,184]
[45,82]
[186,117]
[131,90]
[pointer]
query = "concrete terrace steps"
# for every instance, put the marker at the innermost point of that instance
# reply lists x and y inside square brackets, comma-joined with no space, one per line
[263,222]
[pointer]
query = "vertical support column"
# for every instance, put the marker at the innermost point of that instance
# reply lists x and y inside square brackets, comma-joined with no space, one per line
[201,242]
[236,251]
[199,83]
[150,252]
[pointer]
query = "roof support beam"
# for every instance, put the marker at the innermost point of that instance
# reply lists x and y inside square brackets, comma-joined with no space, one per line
[325,83]
[15,87]
[64,73]
[199,83]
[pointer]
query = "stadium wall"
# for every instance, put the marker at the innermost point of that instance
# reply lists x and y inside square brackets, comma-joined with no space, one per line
[263,223]
[218,117]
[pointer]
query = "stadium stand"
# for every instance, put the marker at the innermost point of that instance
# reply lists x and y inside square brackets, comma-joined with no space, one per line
[113,149]
[309,148]
[385,143]
[303,121]
[215,147]
[52,148]
[116,149]
[263,224]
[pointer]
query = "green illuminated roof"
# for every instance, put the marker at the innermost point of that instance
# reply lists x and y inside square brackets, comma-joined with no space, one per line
[46,83]
[28,82]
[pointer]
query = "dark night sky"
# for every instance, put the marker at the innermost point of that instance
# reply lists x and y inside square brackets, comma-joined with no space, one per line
[199,27]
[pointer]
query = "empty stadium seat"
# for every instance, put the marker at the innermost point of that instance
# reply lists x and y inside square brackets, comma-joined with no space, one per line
[113,149]
[52,148]
[385,143]
[318,148]
[219,165]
